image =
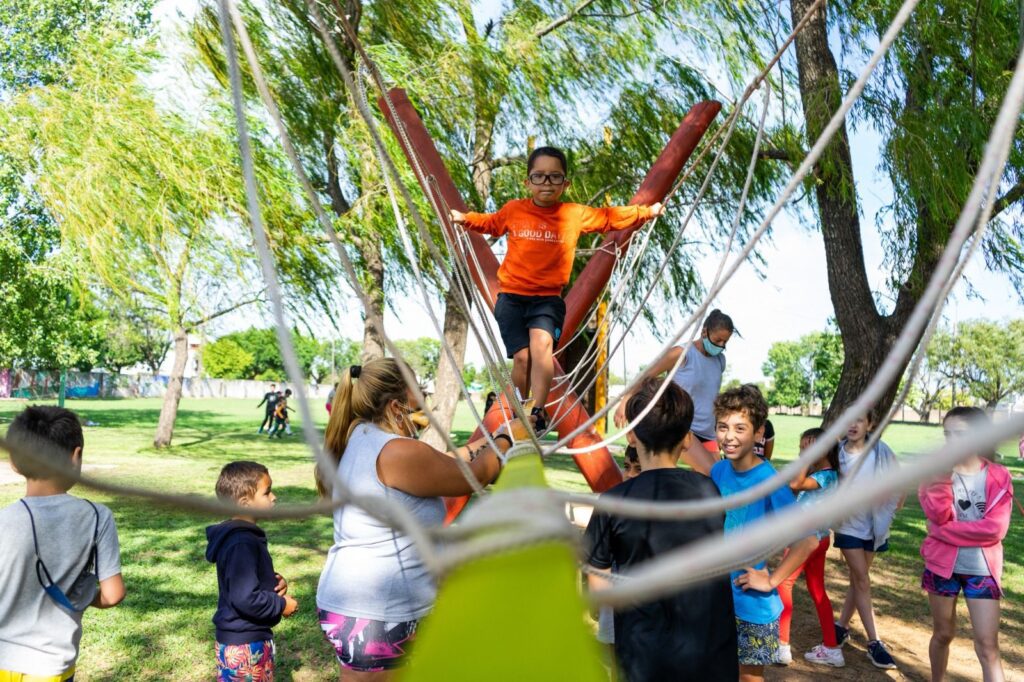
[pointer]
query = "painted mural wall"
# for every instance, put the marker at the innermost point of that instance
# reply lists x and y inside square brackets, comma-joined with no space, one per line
[38,385]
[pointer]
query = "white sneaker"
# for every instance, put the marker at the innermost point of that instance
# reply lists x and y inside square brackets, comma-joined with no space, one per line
[784,656]
[824,655]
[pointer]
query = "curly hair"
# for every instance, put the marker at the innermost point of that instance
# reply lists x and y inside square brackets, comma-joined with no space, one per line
[746,399]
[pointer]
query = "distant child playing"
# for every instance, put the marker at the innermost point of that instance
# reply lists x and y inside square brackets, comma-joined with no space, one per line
[968,512]
[281,425]
[270,399]
[740,414]
[252,598]
[60,554]
[690,634]
[810,484]
[542,234]
[864,535]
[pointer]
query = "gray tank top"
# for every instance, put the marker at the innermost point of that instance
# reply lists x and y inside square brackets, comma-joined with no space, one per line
[374,571]
[701,377]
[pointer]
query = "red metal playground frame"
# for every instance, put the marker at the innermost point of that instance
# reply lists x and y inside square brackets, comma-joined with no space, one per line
[598,467]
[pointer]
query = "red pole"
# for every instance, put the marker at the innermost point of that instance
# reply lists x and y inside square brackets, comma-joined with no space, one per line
[426,153]
[656,185]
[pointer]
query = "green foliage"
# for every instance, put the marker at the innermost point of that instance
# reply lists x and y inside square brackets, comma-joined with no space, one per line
[934,103]
[423,355]
[225,359]
[336,356]
[40,35]
[265,361]
[804,370]
[992,365]
[484,88]
[46,323]
[791,383]
[150,197]
[132,335]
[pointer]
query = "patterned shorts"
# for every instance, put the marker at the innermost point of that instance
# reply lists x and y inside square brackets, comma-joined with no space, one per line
[757,643]
[252,662]
[366,645]
[974,586]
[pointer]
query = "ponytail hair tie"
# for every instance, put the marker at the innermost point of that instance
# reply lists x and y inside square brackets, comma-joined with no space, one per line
[355,370]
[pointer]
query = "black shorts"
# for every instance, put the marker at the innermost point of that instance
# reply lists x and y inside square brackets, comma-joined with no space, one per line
[517,315]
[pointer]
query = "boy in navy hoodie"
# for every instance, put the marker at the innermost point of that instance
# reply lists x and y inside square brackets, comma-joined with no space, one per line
[253,598]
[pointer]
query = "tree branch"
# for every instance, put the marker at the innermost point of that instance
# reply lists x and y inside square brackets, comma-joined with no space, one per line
[189,326]
[608,15]
[1014,194]
[775,155]
[564,19]
[510,160]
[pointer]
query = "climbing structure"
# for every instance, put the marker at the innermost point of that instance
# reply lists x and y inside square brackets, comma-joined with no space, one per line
[597,466]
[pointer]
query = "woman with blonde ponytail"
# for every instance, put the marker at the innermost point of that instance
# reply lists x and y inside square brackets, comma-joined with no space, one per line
[375,587]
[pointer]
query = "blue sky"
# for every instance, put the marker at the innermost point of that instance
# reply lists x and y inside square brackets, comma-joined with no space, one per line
[793,300]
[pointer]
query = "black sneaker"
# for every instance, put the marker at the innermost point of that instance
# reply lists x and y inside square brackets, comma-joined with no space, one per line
[879,656]
[842,635]
[540,419]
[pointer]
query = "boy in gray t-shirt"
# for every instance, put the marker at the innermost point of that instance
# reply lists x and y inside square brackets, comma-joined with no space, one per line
[60,553]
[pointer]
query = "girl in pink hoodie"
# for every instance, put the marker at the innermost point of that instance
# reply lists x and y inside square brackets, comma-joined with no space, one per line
[968,514]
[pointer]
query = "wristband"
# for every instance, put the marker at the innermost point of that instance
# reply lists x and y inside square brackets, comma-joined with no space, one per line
[505,436]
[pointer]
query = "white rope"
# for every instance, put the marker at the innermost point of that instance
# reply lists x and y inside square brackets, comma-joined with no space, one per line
[384,509]
[694,563]
[802,171]
[734,228]
[389,165]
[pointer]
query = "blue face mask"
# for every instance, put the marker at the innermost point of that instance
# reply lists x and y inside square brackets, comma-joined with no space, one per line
[83,590]
[710,348]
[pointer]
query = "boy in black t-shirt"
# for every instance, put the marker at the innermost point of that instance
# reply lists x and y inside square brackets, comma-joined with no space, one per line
[691,634]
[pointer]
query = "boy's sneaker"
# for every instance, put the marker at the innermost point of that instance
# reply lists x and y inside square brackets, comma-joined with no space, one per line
[879,655]
[824,655]
[784,656]
[540,423]
[842,635]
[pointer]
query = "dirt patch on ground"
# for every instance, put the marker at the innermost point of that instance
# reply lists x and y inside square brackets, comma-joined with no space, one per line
[904,624]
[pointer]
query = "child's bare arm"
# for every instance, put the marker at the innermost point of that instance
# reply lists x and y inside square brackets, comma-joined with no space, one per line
[599,579]
[110,594]
[761,580]
[803,482]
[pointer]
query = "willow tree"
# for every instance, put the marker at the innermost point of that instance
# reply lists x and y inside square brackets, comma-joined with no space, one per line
[933,102]
[484,88]
[147,196]
[591,78]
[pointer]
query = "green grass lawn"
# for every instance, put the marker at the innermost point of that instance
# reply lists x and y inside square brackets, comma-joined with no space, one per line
[163,630]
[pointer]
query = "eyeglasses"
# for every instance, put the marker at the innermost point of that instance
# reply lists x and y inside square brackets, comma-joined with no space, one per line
[547,178]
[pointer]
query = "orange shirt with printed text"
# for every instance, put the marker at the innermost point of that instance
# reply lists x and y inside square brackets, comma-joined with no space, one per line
[542,240]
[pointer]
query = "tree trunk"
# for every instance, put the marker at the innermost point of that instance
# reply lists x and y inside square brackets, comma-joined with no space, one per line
[866,335]
[373,340]
[449,376]
[169,411]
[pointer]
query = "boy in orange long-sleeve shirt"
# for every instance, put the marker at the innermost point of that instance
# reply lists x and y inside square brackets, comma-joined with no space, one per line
[542,234]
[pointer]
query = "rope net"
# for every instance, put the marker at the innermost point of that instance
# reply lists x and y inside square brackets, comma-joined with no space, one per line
[523,517]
